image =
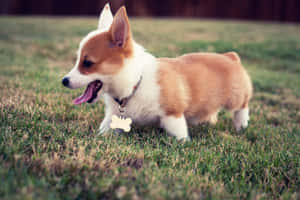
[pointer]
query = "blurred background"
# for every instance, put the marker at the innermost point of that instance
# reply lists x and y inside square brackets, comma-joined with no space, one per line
[266,10]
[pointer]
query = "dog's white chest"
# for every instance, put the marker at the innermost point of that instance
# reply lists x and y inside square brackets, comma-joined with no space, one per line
[143,107]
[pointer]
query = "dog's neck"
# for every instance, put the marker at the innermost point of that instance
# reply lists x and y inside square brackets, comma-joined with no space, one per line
[122,84]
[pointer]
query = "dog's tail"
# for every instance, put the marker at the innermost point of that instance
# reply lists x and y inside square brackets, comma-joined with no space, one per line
[233,56]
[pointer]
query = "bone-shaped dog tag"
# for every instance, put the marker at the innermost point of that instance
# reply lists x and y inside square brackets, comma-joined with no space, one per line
[120,123]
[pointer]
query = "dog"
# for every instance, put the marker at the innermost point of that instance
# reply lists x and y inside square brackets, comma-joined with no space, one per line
[171,92]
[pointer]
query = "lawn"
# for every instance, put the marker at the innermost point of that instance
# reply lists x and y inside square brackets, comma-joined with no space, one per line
[49,148]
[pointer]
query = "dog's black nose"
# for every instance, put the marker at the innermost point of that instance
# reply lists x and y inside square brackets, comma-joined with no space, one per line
[65,81]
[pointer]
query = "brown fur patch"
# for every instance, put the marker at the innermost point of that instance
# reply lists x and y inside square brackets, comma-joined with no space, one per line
[212,80]
[174,96]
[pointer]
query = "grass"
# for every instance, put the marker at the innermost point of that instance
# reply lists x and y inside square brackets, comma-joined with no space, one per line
[49,148]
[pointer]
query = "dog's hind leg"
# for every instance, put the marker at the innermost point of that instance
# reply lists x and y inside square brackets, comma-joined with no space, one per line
[241,115]
[240,118]
[213,119]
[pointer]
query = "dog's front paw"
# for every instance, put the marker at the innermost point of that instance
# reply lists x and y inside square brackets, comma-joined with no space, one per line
[103,129]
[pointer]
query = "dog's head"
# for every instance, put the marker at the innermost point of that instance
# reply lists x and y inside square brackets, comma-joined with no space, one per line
[101,54]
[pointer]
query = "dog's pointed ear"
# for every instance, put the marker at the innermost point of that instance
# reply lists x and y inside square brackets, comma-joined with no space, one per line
[105,18]
[120,28]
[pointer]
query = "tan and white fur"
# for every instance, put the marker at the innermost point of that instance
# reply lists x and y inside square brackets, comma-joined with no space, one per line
[174,92]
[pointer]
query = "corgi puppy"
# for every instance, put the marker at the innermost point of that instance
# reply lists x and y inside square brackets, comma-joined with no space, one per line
[171,92]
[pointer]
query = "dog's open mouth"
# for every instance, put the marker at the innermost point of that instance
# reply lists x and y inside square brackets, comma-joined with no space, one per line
[90,93]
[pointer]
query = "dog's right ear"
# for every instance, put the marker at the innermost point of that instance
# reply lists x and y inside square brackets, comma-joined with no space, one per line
[106,18]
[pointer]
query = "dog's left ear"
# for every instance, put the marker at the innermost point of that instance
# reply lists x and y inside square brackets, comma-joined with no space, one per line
[106,18]
[120,28]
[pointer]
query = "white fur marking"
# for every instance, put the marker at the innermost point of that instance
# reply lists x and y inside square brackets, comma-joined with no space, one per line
[175,126]
[241,118]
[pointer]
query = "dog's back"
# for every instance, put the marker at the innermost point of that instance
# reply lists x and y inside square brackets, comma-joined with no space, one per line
[205,83]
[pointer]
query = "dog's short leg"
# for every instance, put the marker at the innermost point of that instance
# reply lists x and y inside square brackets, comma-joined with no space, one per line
[213,118]
[104,127]
[110,110]
[241,118]
[176,126]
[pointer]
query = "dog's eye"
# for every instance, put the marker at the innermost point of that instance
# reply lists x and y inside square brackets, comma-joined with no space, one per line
[87,63]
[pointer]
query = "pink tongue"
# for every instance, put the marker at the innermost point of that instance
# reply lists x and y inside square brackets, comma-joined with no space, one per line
[88,93]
